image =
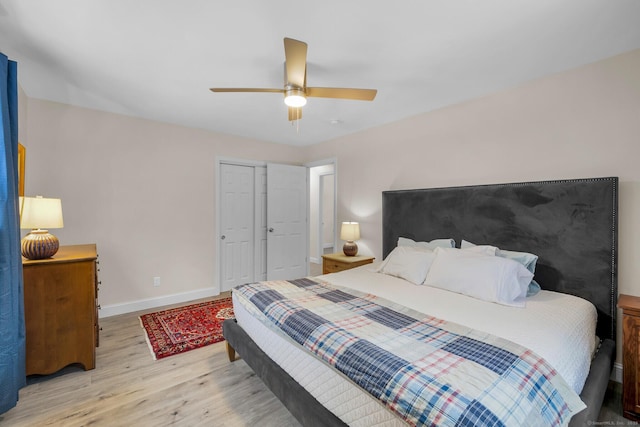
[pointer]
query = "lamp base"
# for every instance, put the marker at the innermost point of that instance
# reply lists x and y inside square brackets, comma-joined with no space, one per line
[350,249]
[39,244]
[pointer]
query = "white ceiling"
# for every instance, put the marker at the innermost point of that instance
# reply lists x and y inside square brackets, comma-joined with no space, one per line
[157,59]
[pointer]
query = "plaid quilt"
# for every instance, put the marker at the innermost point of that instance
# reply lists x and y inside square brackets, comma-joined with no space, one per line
[426,370]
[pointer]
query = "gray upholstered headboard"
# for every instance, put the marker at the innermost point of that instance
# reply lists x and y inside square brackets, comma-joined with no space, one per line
[570,224]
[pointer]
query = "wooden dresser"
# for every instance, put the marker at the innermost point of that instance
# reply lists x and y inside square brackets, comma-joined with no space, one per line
[630,306]
[61,309]
[332,263]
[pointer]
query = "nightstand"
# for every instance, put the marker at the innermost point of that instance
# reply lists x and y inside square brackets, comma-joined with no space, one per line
[332,263]
[630,306]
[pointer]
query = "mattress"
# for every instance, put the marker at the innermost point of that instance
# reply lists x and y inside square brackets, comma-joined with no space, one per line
[559,327]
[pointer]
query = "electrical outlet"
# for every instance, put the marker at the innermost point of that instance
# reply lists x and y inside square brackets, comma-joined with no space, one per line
[156,281]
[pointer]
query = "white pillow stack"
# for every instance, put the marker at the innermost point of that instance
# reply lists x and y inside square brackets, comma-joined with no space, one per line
[480,271]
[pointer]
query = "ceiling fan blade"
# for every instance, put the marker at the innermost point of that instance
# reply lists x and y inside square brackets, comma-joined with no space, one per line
[342,93]
[295,113]
[244,89]
[295,53]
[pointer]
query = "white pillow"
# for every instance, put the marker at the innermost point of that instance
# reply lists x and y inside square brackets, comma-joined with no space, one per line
[409,243]
[524,258]
[481,249]
[408,263]
[442,243]
[488,278]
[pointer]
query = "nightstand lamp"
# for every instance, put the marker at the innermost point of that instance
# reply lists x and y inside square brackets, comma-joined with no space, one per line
[350,232]
[39,214]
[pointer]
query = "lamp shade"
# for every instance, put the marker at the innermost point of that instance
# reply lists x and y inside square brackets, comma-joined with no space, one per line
[40,213]
[350,231]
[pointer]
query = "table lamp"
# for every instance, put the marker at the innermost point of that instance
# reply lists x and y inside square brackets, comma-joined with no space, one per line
[350,232]
[39,214]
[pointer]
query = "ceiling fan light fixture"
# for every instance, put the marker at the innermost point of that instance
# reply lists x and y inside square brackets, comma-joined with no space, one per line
[295,89]
[295,98]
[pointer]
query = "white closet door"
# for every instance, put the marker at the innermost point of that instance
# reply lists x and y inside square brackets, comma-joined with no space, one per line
[236,225]
[261,223]
[287,222]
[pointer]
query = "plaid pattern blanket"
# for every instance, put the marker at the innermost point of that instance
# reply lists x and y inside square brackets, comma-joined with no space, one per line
[426,370]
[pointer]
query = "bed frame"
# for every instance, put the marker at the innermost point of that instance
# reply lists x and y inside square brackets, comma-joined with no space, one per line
[570,224]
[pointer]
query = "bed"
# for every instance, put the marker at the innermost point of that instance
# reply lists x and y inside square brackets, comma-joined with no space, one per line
[571,225]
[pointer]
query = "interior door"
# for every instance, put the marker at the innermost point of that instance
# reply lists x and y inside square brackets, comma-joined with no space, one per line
[287,222]
[260,223]
[236,225]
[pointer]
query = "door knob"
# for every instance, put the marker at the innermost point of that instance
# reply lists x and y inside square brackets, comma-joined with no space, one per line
[270,229]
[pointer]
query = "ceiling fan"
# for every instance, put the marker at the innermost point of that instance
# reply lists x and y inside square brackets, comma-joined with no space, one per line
[295,88]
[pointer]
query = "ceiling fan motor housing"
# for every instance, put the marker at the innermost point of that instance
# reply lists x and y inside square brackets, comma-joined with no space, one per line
[295,97]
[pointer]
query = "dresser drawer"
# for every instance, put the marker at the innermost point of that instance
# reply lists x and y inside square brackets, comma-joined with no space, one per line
[333,263]
[332,267]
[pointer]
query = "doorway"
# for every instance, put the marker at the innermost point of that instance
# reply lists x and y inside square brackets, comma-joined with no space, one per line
[322,211]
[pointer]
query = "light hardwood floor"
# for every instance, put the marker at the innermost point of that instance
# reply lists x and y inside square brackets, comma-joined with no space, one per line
[197,388]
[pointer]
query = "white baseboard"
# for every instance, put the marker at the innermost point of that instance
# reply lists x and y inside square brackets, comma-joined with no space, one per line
[314,260]
[145,304]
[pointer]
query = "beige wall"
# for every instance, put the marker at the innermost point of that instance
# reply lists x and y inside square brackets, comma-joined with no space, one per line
[581,123]
[143,191]
[23,102]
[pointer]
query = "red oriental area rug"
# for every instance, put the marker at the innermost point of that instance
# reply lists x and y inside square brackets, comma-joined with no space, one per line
[186,328]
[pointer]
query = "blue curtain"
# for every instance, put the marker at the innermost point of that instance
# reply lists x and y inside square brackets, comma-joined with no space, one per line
[12,333]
